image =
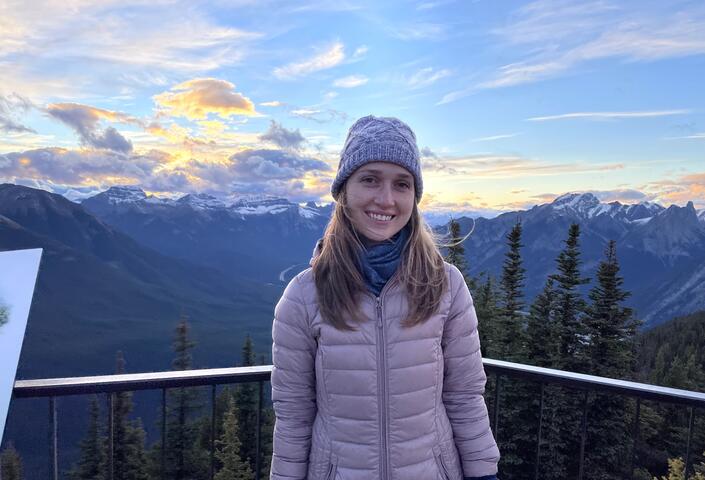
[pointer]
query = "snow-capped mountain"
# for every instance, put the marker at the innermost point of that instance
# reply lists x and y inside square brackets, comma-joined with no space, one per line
[255,235]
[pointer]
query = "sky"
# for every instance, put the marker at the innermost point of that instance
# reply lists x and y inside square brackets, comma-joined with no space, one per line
[513,103]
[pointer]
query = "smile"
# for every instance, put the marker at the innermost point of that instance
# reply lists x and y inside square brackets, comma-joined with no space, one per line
[376,216]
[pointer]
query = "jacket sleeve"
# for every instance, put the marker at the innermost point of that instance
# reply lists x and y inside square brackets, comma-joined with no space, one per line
[293,386]
[464,383]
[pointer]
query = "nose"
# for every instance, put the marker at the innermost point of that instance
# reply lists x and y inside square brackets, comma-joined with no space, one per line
[385,196]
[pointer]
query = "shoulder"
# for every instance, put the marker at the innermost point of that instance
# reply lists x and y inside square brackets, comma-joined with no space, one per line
[301,289]
[455,278]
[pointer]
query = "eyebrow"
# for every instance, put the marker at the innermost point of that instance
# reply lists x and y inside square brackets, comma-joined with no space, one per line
[405,176]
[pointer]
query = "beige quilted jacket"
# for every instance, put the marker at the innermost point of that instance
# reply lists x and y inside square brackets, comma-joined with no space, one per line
[384,402]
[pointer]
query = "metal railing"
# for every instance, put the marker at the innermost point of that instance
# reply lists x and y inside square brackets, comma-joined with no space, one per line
[110,384]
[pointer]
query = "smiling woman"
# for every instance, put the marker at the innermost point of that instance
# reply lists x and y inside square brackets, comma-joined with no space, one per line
[377,369]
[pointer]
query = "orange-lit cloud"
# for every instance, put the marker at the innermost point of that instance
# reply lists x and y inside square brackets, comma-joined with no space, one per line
[196,99]
[690,187]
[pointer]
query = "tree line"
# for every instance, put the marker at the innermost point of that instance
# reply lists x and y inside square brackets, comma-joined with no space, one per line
[596,334]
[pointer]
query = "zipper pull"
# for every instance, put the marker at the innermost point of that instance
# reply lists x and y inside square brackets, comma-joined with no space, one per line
[378,302]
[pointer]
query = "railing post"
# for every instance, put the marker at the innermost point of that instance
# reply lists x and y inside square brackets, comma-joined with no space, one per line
[583,436]
[258,467]
[212,431]
[163,472]
[53,440]
[111,437]
[635,436]
[538,434]
[495,428]
[690,440]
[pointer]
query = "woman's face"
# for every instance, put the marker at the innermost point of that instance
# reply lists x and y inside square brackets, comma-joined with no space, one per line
[380,199]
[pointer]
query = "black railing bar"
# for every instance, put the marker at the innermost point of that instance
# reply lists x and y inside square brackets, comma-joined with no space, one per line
[213,414]
[495,426]
[111,436]
[538,434]
[592,382]
[583,435]
[690,439]
[53,439]
[163,446]
[140,381]
[258,446]
[635,437]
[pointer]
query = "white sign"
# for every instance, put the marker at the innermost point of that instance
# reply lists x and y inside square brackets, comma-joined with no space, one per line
[18,275]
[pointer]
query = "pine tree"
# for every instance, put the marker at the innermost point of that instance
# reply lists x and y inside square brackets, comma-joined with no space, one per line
[228,447]
[93,460]
[10,464]
[542,329]
[184,459]
[456,250]
[129,460]
[610,330]
[246,399]
[486,300]
[570,305]
[510,325]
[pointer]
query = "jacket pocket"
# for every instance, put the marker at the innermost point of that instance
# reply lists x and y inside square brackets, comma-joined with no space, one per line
[441,465]
[332,468]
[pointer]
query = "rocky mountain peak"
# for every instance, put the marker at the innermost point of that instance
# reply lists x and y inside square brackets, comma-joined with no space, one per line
[123,194]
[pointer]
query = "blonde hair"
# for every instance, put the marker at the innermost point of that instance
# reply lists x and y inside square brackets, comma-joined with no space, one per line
[340,283]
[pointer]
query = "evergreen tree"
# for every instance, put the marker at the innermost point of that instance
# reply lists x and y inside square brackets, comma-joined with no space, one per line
[228,447]
[246,400]
[610,330]
[10,464]
[510,324]
[184,459]
[542,329]
[456,251]
[570,305]
[129,460]
[486,301]
[93,460]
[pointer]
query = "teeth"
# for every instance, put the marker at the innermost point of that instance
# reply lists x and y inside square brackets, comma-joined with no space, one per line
[384,218]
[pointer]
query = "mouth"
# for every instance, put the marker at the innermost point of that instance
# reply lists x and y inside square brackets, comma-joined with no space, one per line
[379,217]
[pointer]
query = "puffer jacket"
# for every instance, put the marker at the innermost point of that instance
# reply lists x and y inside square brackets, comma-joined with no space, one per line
[383,402]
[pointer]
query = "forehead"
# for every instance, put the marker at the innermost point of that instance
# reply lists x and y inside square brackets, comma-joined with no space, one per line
[383,168]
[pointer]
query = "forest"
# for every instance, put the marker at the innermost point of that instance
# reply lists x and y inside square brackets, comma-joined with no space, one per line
[576,323]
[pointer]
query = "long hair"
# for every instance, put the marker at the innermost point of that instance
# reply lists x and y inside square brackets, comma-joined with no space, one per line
[340,283]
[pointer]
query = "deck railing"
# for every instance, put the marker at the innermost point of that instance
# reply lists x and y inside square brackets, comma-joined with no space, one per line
[111,384]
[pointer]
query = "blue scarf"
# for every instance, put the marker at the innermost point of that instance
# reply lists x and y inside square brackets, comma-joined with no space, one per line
[379,262]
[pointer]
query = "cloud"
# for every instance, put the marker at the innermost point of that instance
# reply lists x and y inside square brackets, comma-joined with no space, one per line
[695,136]
[622,195]
[350,81]
[553,37]
[197,98]
[85,121]
[360,52]
[508,166]
[689,187]
[264,165]
[427,76]
[495,137]
[79,167]
[273,103]
[609,115]
[282,137]
[10,105]
[426,152]
[325,59]
[318,115]
[420,31]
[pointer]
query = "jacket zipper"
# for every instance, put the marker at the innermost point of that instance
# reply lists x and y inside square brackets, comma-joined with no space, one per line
[382,376]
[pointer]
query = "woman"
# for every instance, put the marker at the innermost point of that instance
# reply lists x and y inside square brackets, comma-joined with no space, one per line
[377,369]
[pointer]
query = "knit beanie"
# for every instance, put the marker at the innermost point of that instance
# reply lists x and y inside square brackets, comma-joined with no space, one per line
[379,139]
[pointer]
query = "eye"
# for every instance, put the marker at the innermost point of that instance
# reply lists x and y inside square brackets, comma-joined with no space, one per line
[368,180]
[404,185]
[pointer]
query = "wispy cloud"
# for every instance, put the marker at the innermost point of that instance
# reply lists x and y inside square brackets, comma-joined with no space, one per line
[273,103]
[420,31]
[553,37]
[283,137]
[427,76]
[609,115]
[10,107]
[350,81]
[329,57]
[695,136]
[495,137]
[197,98]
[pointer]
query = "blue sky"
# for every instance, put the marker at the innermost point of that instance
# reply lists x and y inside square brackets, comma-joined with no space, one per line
[513,103]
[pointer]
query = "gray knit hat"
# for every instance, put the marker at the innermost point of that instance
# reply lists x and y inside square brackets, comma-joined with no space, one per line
[379,139]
